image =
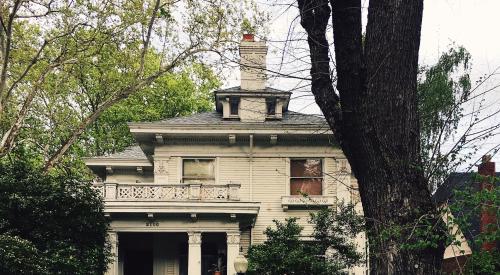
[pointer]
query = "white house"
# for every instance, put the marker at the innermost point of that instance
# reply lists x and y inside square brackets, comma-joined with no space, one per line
[198,188]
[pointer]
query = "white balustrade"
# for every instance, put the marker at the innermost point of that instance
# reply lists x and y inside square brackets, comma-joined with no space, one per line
[168,192]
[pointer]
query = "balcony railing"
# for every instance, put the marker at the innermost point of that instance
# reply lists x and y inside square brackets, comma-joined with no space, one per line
[168,192]
[307,201]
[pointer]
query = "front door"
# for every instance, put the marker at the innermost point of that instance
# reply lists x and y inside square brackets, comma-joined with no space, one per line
[138,262]
[137,253]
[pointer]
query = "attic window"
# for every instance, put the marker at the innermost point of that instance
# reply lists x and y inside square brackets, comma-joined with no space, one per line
[271,106]
[234,104]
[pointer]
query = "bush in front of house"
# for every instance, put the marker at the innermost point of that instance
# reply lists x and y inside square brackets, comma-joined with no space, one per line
[330,250]
[49,224]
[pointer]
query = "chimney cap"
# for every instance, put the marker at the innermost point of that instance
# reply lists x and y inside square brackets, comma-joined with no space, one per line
[248,37]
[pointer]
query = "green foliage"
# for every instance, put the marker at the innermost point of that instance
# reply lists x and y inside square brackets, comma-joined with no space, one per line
[246,26]
[66,64]
[49,224]
[20,256]
[466,206]
[442,91]
[171,95]
[330,251]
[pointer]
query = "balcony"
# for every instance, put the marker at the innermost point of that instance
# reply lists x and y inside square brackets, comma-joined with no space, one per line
[168,192]
[306,202]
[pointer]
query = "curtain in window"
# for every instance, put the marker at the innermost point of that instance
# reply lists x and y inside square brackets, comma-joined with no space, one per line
[198,170]
[306,176]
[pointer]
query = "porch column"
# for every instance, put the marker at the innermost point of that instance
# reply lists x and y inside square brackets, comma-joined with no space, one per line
[113,242]
[194,253]
[233,250]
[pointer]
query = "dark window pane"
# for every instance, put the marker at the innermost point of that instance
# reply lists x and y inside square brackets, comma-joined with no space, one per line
[233,105]
[271,106]
[306,168]
[305,186]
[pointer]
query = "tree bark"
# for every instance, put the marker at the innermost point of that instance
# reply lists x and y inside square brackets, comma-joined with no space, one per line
[375,121]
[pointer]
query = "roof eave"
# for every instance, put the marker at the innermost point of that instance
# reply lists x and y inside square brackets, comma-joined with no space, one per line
[99,161]
[162,128]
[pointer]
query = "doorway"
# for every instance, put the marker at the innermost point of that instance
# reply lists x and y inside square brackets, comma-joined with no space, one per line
[213,254]
[137,253]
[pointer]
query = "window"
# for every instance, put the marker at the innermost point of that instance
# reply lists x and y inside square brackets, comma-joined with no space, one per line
[306,176]
[271,106]
[198,170]
[234,104]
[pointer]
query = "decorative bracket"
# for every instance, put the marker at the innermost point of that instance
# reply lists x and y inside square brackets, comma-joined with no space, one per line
[274,139]
[232,139]
[109,170]
[159,139]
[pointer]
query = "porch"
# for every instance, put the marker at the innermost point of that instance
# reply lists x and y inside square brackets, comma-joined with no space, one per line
[175,253]
[176,244]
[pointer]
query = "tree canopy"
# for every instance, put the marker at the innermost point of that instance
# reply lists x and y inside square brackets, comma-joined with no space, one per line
[49,224]
[64,64]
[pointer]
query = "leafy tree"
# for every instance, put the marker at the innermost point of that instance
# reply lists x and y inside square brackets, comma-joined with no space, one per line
[443,89]
[172,95]
[330,251]
[49,224]
[374,118]
[63,64]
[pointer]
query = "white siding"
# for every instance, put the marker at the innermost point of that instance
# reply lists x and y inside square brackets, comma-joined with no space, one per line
[174,170]
[269,185]
[330,176]
[236,170]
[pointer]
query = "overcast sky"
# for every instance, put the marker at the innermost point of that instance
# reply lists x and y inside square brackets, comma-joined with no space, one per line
[474,24]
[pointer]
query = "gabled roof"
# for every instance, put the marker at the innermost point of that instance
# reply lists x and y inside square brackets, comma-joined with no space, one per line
[215,118]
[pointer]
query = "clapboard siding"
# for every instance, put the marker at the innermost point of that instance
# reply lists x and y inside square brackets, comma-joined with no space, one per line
[268,186]
[174,171]
[330,175]
[271,182]
[245,239]
[343,178]
[236,170]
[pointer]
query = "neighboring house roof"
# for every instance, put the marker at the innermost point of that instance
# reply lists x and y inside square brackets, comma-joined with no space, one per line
[215,118]
[131,152]
[445,195]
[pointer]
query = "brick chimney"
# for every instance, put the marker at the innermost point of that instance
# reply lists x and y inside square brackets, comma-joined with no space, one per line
[252,63]
[488,216]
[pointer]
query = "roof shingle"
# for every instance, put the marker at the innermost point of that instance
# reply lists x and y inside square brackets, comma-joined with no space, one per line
[215,118]
[131,152]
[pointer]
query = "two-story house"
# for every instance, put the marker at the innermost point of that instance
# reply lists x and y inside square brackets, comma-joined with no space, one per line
[195,189]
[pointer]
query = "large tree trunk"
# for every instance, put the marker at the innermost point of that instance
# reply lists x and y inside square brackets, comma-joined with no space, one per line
[375,120]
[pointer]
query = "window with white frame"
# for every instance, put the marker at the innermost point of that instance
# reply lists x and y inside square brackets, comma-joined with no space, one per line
[306,176]
[200,170]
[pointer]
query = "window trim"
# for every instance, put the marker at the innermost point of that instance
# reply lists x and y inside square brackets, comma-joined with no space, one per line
[215,161]
[289,180]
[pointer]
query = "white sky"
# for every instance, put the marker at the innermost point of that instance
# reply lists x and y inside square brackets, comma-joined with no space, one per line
[474,24]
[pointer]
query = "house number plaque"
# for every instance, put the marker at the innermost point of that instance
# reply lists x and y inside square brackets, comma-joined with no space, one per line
[152,224]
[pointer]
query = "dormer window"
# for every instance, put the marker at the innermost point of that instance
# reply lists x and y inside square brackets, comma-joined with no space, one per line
[271,106]
[234,104]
